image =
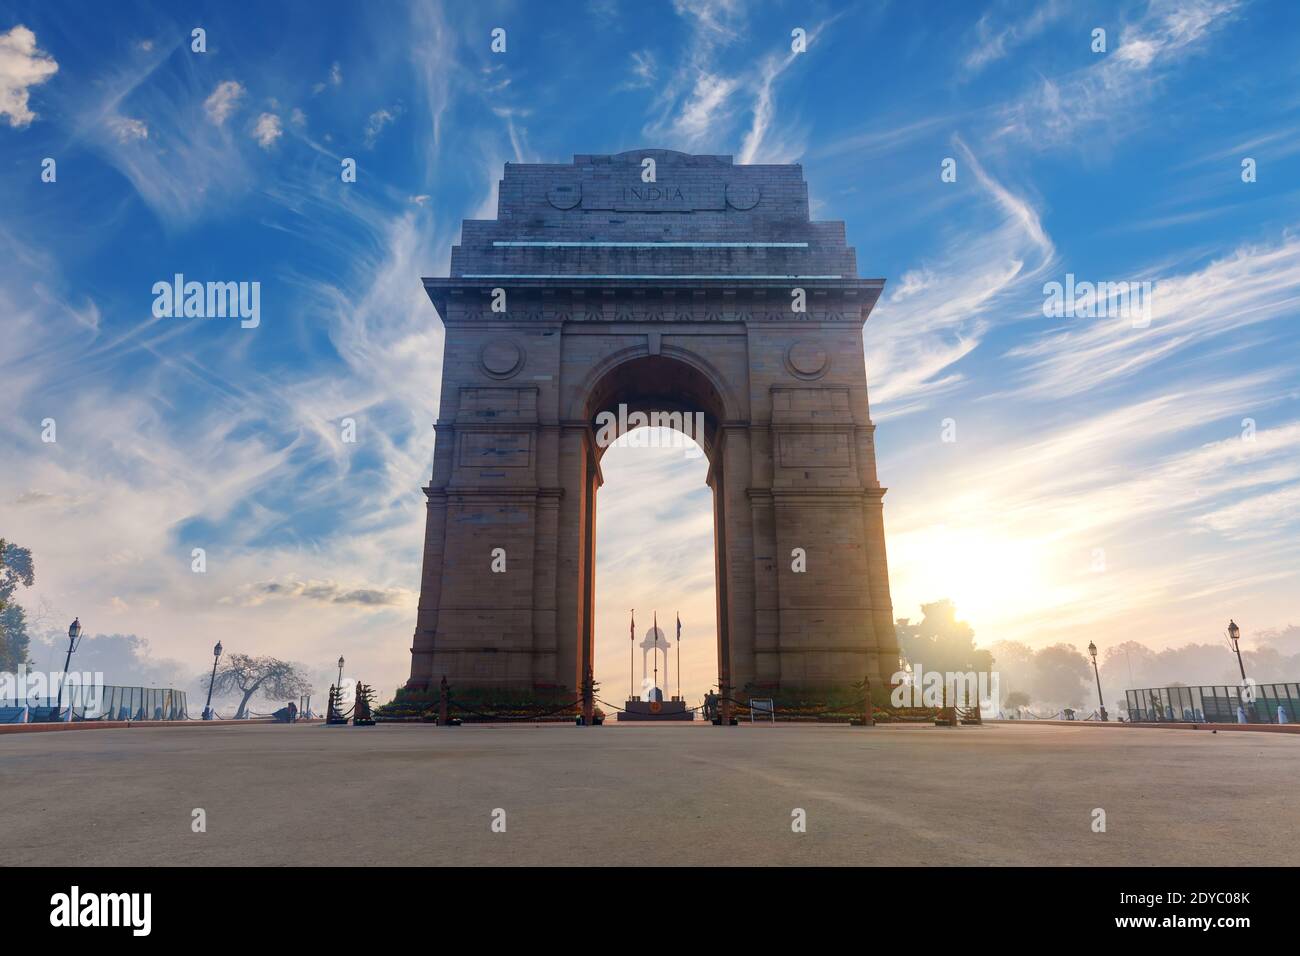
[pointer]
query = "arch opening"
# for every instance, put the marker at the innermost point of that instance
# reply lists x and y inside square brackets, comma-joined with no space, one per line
[654,553]
[634,402]
[655,385]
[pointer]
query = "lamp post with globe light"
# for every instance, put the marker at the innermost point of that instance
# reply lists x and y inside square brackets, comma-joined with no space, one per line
[1092,652]
[1234,635]
[216,656]
[1247,691]
[74,639]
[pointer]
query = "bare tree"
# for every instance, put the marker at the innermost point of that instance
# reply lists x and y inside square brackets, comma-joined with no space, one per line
[249,676]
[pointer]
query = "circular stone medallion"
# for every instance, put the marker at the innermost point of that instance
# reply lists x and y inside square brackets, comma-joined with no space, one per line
[564,197]
[501,358]
[806,359]
[742,196]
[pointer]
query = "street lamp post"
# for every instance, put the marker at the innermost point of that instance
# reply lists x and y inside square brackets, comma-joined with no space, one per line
[216,656]
[340,683]
[1234,635]
[74,636]
[1101,706]
[1248,694]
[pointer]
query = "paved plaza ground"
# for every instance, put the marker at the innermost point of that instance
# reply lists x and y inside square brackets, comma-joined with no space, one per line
[686,795]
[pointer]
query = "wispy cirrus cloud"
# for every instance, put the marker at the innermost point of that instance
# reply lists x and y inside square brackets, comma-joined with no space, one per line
[704,100]
[643,70]
[376,122]
[1080,534]
[998,35]
[939,311]
[696,93]
[1108,94]
[161,132]
[1216,307]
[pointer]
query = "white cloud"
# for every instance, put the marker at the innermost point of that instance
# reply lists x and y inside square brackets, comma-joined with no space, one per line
[941,310]
[1259,516]
[1043,500]
[996,42]
[694,100]
[433,56]
[643,69]
[1214,305]
[377,121]
[756,148]
[696,122]
[718,20]
[335,79]
[702,101]
[128,129]
[267,130]
[1107,93]
[196,164]
[22,66]
[223,101]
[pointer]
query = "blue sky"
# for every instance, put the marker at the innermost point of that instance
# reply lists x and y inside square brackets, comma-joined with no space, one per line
[1102,484]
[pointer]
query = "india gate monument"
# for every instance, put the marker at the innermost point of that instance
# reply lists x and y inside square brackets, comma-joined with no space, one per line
[667,283]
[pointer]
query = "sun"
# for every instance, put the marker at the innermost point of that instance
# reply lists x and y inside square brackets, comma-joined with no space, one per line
[991,578]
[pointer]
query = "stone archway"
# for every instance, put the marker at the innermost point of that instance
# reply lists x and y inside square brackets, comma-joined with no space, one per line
[708,290]
[677,391]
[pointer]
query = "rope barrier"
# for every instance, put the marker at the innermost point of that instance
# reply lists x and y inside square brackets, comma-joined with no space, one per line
[623,710]
[1036,717]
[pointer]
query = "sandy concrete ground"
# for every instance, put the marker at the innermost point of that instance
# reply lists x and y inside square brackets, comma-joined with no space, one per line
[687,795]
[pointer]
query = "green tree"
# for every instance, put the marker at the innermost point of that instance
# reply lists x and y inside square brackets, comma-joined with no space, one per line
[16,569]
[1015,700]
[940,642]
[1061,676]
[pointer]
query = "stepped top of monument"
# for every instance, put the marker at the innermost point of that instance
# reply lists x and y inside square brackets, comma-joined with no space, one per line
[649,214]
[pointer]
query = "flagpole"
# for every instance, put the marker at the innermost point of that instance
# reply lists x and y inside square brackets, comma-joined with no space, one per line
[679,655]
[631,656]
[655,632]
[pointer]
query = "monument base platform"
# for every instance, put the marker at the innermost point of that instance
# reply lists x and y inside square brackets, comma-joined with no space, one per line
[656,710]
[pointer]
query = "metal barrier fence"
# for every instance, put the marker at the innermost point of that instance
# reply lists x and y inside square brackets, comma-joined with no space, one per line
[105,702]
[1215,704]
